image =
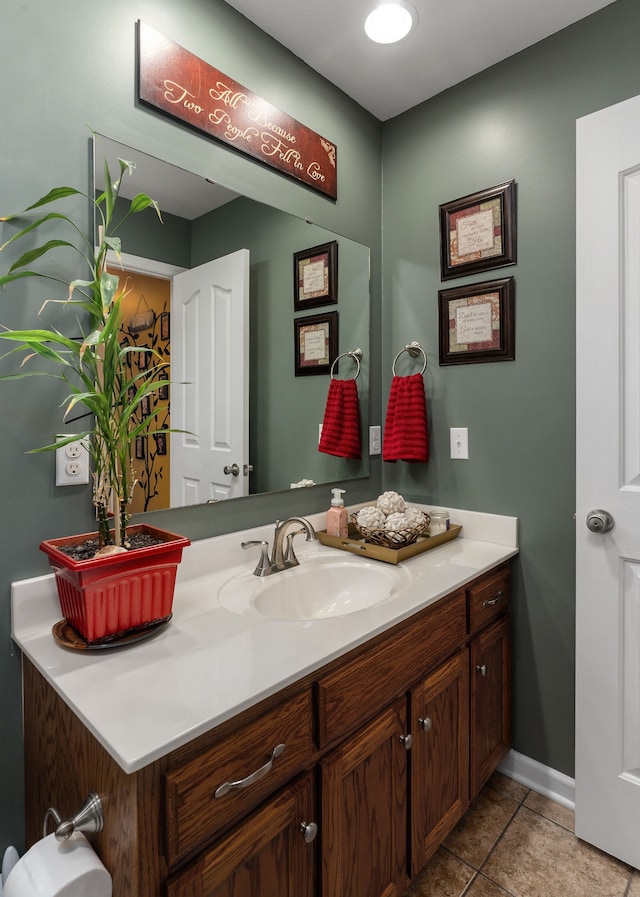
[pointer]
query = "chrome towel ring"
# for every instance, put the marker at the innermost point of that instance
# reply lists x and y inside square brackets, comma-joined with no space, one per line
[414,349]
[356,354]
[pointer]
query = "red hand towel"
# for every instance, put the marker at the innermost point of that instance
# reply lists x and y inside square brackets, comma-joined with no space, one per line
[341,425]
[405,430]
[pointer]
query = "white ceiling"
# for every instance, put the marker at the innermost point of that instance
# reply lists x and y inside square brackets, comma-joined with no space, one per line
[454,40]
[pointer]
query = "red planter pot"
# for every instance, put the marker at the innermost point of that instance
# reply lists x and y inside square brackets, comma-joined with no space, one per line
[109,596]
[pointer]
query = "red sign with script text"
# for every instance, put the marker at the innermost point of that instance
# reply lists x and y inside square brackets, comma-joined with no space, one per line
[180,84]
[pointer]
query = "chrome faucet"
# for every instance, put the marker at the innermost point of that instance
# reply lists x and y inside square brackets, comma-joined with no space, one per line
[283,557]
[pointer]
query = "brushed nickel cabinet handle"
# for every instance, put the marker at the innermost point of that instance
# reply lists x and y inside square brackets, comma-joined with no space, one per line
[407,741]
[226,787]
[482,669]
[425,723]
[492,601]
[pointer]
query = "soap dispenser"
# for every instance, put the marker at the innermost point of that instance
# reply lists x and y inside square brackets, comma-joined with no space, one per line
[337,521]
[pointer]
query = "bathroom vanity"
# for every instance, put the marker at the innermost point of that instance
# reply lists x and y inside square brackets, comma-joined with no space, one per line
[391,718]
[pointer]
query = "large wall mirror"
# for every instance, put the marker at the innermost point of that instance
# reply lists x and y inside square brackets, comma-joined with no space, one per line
[204,225]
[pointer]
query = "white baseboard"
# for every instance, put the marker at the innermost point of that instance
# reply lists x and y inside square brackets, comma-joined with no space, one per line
[549,782]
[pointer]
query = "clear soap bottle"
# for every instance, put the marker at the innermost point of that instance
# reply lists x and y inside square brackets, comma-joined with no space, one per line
[337,520]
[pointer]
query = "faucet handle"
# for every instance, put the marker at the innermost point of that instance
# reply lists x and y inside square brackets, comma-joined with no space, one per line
[290,558]
[264,564]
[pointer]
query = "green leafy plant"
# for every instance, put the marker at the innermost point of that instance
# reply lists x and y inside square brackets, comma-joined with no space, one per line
[94,366]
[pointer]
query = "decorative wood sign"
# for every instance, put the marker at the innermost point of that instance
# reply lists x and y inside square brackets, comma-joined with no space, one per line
[185,87]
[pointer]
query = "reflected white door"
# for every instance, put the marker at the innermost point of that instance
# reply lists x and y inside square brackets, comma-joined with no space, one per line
[210,381]
[608,477]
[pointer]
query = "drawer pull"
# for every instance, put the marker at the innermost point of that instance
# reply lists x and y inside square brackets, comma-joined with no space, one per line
[482,669]
[425,722]
[492,601]
[309,831]
[226,787]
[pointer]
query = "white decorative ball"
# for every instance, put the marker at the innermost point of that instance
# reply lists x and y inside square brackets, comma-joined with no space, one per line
[391,503]
[396,523]
[415,517]
[371,517]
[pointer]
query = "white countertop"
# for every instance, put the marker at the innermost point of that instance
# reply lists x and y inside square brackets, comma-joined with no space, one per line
[145,700]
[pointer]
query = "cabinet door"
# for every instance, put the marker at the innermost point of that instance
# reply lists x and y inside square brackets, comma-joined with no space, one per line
[490,701]
[439,756]
[267,854]
[364,811]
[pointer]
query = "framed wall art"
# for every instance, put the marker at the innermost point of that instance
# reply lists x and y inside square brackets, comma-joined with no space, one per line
[316,343]
[476,322]
[315,276]
[478,232]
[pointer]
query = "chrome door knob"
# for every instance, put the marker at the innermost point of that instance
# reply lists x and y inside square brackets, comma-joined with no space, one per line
[234,470]
[599,521]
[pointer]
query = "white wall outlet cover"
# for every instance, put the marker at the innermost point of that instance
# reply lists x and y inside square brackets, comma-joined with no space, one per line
[72,462]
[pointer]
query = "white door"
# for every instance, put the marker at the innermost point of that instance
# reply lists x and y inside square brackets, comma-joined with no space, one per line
[210,381]
[608,478]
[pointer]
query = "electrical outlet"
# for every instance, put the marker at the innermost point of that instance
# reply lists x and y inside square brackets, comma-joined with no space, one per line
[72,462]
[374,441]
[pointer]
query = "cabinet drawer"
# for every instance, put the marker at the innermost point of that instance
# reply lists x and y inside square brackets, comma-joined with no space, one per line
[266,854]
[244,758]
[488,598]
[359,689]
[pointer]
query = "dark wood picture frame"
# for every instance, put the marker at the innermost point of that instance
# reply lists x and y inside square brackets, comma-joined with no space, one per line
[478,232]
[316,343]
[165,325]
[477,322]
[163,391]
[315,276]
[161,443]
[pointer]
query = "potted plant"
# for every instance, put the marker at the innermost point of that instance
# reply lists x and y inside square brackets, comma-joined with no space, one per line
[125,582]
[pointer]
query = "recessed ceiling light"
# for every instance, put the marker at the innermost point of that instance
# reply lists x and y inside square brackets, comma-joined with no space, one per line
[390,22]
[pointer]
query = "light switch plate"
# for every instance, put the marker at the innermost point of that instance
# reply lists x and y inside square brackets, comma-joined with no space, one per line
[374,441]
[459,443]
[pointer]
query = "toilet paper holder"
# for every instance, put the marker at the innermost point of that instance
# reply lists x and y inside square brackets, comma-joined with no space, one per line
[89,818]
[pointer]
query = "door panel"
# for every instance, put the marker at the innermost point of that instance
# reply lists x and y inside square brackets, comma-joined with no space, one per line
[608,477]
[210,381]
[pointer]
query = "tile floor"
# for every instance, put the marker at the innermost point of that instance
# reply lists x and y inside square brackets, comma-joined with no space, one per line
[512,842]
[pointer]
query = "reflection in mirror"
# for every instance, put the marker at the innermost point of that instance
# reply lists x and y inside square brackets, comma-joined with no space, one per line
[245,382]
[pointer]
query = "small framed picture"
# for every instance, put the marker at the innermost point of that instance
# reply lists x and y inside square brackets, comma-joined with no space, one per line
[476,322]
[315,276]
[316,343]
[140,447]
[161,443]
[163,391]
[145,406]
[478,232]
[143,360]
[165,325]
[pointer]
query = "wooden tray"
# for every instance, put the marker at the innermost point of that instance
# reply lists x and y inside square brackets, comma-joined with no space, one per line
[357,545]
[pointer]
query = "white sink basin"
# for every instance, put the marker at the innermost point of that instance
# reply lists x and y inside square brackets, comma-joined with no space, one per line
[320,588]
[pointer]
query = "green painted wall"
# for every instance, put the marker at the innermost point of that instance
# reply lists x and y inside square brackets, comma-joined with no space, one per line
[68,70]
[516,120]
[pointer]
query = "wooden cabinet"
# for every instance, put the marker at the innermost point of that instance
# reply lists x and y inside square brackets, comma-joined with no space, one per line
[439,714]
[383,749]
[364,816]
[490,721]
